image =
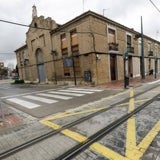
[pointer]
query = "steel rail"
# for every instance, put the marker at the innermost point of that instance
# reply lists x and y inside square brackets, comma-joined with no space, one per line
[103,132]
[31,142]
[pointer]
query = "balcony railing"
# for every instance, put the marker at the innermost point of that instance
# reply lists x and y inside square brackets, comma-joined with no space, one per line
[130,49]
[150,53]
[113,46]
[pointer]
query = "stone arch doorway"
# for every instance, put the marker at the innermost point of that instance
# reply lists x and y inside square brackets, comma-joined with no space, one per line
[40,66]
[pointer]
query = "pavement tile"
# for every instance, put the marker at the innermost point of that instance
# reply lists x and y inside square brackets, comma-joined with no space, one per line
[133,82]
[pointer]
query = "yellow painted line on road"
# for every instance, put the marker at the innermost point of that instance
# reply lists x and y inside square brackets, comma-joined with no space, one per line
[107,152]
[133,151]
[50,124]
[137,152]
[80,138]
[138,101]
[66,114]
[61,115]
[145,143]
[74,135]
[131,127]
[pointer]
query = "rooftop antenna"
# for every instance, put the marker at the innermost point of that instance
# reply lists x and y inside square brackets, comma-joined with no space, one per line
[105,10]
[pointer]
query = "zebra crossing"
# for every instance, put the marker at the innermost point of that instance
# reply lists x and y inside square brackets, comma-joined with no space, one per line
[34,100]
[5,87]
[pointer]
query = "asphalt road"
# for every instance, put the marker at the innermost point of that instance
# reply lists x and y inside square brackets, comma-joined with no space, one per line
[137,138]
[43,100]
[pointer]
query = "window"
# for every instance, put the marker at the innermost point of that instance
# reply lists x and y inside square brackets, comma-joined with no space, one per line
[112,45]
[130,48]
[33,44]
[129,41]
[74,38]
[156,49]
[42,40]
[64,52]
[76,60]
[75,50]
[35,25]
[68,64]
[149,46]
[112,35]
[150,52]
[63,41]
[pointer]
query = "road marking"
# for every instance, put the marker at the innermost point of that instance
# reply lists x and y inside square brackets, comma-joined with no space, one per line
[44,100]
[74,91]
[154,82]
[54,96]
[65,93]
[107,152]
[80,138]
[23,103]
[23,94]
[66,114]
[136,151]
[69,114]
[28,93]
[131,127]
[145,143]
[82,89]
[5,87]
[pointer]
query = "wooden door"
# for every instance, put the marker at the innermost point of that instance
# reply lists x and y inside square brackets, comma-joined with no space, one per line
[113,67]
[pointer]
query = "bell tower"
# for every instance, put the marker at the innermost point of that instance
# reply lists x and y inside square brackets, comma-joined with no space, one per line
[34,11]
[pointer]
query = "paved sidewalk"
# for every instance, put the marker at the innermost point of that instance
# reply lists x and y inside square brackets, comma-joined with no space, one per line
[133,82]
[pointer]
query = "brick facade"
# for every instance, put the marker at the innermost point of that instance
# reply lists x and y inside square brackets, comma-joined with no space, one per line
[87,49]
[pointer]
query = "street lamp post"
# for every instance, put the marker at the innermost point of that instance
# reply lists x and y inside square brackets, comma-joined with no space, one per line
[142,66]
[142,52]
[126,78]
[156,60]
[74,71]
[53,53]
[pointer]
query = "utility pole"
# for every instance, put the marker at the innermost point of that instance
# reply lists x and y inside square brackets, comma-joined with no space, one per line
[142,52]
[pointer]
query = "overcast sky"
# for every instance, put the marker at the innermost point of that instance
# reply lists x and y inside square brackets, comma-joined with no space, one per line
[126,12]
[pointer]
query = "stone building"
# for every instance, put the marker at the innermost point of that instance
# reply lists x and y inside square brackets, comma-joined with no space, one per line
[88,49]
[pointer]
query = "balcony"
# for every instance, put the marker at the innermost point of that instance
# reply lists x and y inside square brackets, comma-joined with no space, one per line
[113,46]
[150,53]
[130,49]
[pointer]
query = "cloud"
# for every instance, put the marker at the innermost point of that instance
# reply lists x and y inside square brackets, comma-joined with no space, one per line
[126,12]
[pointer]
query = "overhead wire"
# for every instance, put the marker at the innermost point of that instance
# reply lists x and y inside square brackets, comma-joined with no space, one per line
[155,5]
[24,25]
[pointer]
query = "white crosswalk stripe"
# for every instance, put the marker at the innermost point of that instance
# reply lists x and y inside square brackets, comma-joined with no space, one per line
[23,103]
[5,87]
[49,96]
[45,100]
[73,91]
[85,89]
[66,93]
[54,96]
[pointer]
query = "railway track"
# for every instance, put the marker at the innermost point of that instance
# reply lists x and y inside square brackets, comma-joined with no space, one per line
[100,134]
[91,139]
